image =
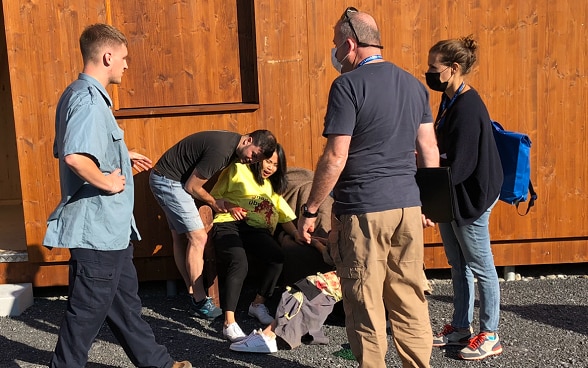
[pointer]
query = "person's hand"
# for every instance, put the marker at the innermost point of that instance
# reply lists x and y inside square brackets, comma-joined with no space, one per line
[117,182]
[220,206]
[427,222]
[140,162]
[299,239]
[238,213]
[305,228]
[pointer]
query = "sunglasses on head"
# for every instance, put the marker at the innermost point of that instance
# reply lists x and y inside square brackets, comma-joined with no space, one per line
[345,18]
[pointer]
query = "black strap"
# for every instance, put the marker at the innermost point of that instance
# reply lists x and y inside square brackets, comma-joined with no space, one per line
[308,288]
[531,200]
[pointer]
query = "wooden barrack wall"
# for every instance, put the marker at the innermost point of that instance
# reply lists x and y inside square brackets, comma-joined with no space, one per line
[242,65]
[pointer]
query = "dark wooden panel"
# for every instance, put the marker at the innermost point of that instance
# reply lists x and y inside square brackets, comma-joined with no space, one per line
[9,172]
[56,274]
[50,274]
[12,229]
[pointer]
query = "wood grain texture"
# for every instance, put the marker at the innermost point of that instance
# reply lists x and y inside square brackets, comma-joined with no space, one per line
[275,55]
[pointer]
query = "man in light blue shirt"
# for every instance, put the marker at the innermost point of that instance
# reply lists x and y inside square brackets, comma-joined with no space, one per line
[94,218]
[95,215]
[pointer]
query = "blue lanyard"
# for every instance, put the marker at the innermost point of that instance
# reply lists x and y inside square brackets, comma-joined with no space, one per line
[368,59]
[441,119]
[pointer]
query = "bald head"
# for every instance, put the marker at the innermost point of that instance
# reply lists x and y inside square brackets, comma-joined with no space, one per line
[365,19]
[360,27]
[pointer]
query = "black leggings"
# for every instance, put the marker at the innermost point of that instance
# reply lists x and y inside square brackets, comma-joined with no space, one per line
[233,241]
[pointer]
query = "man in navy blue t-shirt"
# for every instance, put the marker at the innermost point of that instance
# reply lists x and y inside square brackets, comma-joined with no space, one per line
[378,115]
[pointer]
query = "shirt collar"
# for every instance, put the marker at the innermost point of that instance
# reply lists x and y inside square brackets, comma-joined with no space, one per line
[94,82]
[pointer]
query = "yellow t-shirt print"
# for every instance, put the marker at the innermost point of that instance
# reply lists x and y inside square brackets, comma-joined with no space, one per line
[265,209]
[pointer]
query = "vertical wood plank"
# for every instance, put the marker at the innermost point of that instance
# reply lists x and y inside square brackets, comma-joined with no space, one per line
[282,52]
[182,52]
[531,73]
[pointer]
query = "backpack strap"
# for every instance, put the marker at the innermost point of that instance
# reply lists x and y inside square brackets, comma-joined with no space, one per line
[531,200]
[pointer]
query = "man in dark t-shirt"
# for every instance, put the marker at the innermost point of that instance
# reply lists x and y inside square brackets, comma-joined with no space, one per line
[179,177]
[377,117]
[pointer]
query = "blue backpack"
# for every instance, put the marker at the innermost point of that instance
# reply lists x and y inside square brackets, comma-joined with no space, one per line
[514,149]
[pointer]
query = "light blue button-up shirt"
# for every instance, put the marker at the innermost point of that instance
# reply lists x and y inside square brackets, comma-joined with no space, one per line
[87,217]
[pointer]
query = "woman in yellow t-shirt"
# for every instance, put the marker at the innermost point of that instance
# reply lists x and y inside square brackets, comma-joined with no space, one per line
[252,196]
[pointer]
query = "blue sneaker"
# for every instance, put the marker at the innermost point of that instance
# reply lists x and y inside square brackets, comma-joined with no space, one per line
[204,309]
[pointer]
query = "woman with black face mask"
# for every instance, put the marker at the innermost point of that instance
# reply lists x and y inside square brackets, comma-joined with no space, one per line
[466,144]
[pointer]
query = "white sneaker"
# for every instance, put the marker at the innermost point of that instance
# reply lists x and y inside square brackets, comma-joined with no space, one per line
[233,332]
[256,342]
[260,312]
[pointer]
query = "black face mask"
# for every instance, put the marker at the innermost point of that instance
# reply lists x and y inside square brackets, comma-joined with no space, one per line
[434,82]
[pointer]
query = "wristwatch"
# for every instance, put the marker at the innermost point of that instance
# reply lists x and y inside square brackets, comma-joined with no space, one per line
[306,213]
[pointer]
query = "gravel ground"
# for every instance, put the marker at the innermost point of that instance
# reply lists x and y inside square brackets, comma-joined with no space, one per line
[543,324]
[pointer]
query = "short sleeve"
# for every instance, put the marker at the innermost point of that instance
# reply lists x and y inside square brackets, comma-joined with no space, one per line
[82,123]
[341,110]
[286,214]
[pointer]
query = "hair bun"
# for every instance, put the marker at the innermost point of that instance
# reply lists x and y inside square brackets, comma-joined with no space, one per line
[470,43]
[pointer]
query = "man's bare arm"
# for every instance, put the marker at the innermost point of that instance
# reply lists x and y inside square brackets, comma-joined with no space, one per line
[85,167]
[195,186]
[426,145]
[327,173]
[427,155]
[328,170]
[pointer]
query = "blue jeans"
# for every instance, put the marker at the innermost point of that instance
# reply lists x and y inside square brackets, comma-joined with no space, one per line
[468,252]
[178,205]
